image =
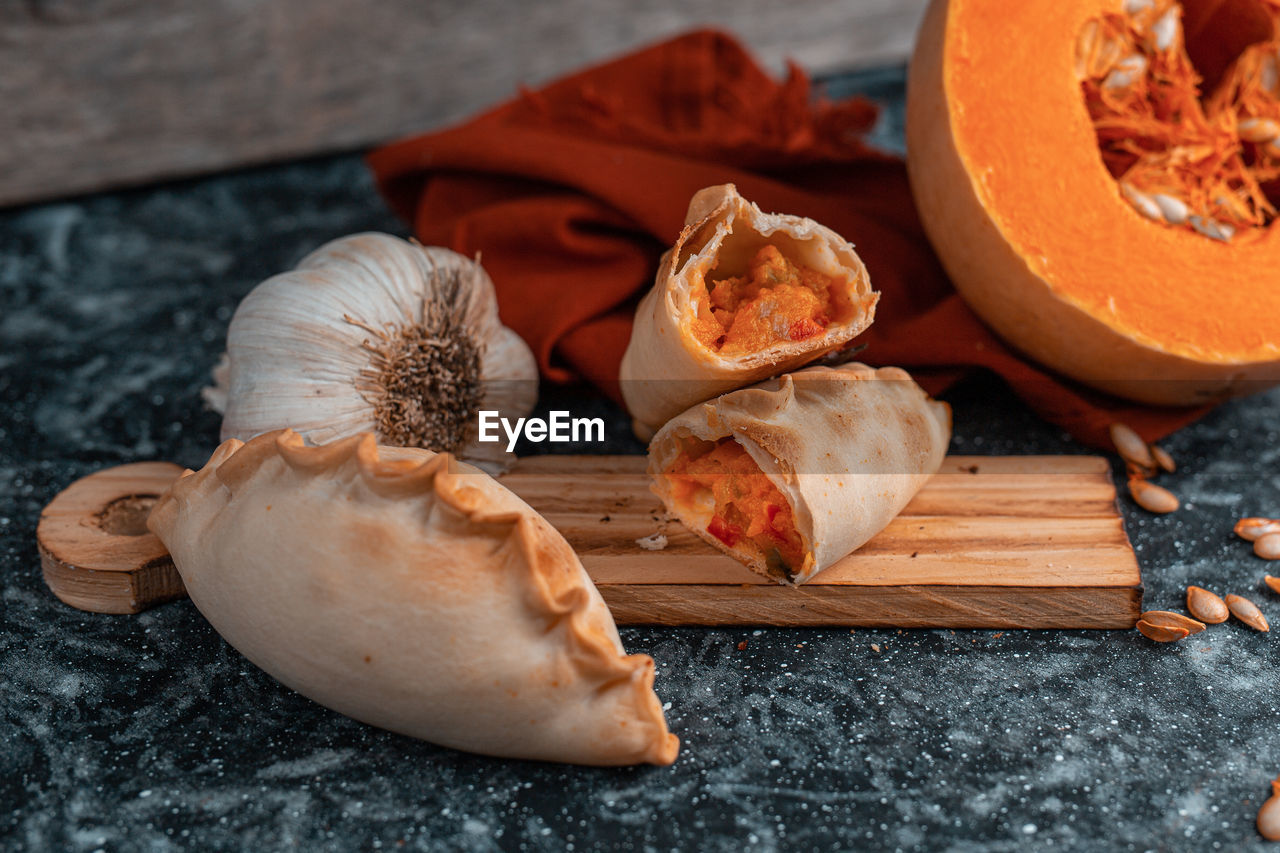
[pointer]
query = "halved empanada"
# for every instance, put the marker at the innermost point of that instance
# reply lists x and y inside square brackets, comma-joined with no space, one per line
[413,592]
[794,473]
[741,296]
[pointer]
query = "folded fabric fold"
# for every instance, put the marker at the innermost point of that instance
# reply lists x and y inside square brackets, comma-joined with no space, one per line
[571,193]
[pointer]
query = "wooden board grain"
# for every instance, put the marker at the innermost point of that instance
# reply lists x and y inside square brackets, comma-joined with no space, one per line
[989,542]
[106,93]
[95,550]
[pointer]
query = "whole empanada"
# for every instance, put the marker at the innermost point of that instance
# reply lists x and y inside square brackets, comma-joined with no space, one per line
[412,592]
[742,295]
[792,474]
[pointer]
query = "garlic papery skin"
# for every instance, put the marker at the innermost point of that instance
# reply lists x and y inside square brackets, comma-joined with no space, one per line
[371,333]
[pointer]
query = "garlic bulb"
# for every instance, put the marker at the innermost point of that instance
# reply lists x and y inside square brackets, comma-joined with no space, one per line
[374,334]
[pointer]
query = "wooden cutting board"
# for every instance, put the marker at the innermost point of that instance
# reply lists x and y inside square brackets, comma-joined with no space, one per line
[990,542]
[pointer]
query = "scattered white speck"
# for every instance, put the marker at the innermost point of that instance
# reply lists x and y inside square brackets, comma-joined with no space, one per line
[653,542]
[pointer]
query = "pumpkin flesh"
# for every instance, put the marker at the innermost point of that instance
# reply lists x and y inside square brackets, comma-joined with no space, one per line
[1027,215]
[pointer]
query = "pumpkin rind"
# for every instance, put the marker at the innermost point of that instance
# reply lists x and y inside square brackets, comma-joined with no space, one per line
[1034,232]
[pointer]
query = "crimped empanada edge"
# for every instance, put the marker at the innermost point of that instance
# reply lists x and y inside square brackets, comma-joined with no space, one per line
[556,594]
[717,204]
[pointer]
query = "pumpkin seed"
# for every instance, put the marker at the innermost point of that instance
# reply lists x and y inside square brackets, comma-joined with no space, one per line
[1126,71]
[1174,210]
[1212,229]
[1160,633]
[1206,606]
[1095,52]
[1253,528]
[1247,612]
[1267,547]
[1273,583]
[1269,814]
[1151,497]
[1163,460]
[1140,200]
[1258,129]
[1169,619]
[1165,29]
[1134,64]
[1118,79]
[1131,447]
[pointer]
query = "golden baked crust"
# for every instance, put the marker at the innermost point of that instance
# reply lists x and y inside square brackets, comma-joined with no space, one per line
[665,369]
[847,447]
[413,592]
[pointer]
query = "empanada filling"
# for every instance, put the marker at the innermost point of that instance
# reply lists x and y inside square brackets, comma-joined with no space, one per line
[749,512]
[777,299]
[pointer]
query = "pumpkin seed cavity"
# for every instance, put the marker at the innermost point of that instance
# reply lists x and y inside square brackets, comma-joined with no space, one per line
[1192,142]
[424,378]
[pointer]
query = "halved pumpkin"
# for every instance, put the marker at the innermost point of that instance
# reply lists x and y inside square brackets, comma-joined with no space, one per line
[1100,181]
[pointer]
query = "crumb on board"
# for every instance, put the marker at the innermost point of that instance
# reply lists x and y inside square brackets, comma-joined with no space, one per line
[653,542]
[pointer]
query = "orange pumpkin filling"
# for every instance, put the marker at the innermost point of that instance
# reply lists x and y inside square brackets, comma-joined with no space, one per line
[1186,104]
[777,300]
[749,510]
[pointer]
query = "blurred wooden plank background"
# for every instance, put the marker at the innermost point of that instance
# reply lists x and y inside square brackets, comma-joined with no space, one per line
[105,93]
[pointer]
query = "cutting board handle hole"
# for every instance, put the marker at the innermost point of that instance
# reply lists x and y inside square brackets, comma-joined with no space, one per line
[127,515]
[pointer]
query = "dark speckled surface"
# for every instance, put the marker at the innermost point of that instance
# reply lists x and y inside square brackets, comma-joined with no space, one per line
[148,732]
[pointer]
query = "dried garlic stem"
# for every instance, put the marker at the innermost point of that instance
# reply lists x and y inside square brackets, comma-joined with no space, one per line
[423,378]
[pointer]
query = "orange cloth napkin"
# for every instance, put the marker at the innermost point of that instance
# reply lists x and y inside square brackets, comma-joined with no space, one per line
[571,193]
